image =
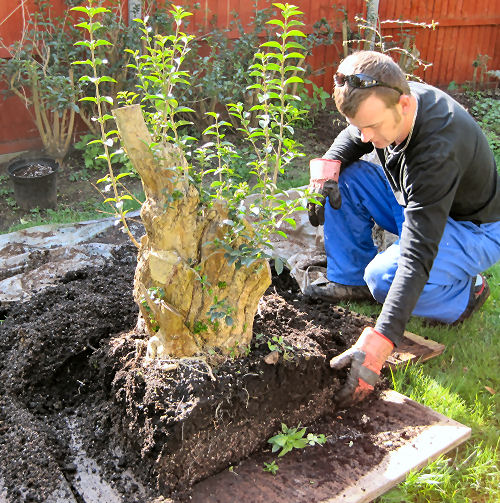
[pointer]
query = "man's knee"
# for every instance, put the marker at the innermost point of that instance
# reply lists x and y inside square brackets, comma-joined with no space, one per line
[378,278]
[359,170]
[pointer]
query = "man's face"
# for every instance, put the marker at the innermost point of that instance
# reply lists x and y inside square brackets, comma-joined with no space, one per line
[377,123]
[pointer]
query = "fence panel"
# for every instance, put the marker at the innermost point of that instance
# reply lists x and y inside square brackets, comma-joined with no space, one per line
[467,32]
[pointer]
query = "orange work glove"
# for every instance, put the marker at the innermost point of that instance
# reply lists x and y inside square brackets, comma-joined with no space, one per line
[324,176]
[366,358]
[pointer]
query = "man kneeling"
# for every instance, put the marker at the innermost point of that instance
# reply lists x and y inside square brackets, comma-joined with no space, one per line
[437,188]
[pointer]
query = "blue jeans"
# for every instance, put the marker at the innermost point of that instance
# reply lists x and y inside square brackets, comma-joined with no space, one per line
[352,259]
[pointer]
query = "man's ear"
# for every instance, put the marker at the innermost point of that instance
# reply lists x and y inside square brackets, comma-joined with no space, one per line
[405,102]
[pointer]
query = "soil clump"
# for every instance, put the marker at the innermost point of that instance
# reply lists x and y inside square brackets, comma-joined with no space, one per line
[73,371]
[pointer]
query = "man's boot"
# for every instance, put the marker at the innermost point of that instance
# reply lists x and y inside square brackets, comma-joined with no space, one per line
[335,292]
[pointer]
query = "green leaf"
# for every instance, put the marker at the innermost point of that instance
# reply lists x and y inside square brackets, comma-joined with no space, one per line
[278,265]
[87,78]
[292,68]
[294,45]
[293,33]
[84,43]
[107,99]
[80,9]
[83,24]
[277,21]
[271,43]
[98,10]
[291,80]
[295,22]
[275,55]
[184,109]
[297,55]
[86,62]
[98,43]
[286,448]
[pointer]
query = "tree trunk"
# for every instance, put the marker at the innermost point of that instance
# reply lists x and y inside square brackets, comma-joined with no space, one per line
[189,296]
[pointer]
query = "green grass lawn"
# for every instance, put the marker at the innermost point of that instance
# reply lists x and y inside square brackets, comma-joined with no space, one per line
[461,384]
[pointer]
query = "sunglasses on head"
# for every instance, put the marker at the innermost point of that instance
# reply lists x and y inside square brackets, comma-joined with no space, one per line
[361,81]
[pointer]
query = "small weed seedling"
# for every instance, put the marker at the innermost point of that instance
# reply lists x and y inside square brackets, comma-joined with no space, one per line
[278,344]
[294,438]
[271,467]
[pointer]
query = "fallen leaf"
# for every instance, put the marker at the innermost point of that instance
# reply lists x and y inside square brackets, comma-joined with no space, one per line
[491,390]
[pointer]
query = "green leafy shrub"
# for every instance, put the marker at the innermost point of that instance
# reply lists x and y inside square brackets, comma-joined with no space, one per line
[91,155]
[487,112]
[39,72]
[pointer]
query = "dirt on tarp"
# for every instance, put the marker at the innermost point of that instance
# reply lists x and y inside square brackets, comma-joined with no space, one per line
[85,418]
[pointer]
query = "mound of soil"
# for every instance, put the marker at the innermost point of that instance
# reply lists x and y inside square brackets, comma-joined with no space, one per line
[74,385]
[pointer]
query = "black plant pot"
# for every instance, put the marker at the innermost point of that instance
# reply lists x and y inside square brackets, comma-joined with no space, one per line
[35,182]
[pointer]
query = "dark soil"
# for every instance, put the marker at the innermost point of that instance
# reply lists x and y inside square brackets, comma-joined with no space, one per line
[357,440]
[71,363]
[34,170]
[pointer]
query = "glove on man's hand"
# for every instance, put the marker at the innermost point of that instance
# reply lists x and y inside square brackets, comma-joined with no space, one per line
[366,358]
[324,180]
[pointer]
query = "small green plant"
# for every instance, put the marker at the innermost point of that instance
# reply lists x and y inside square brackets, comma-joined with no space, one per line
[108,138]
[277,343]
[11,201]
[271,467]
[5,190]
[220,310]
[91,153]
[294,438]
[313,100]
[236,350]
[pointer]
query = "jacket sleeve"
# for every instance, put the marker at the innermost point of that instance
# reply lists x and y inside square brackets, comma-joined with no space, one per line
[430,180]
[348,147]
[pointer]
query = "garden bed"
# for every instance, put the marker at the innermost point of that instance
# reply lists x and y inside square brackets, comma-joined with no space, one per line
[84,417]
[62,363]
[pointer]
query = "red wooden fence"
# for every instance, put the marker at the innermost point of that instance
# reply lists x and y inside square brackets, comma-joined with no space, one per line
[466,30]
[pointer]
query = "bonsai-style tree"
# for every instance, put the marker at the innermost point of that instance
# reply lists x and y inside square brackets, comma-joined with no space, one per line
[203,263]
